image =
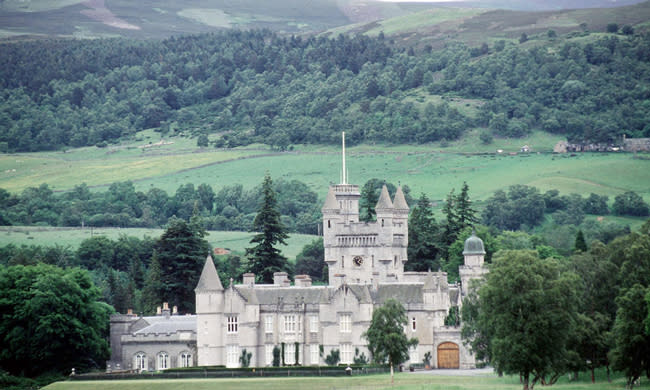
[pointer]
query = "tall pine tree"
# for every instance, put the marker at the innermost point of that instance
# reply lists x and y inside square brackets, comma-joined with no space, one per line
[181,254]
[264,258]
[466,215]
[422,249]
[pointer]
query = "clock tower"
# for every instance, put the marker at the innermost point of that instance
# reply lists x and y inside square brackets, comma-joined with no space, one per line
[364,252]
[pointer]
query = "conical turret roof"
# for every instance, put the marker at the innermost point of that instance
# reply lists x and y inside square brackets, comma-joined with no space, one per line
[209,280]
[400,202]
[384,201]
[330,200]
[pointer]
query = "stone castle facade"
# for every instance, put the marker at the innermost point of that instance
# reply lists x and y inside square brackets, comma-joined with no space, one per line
[307,322]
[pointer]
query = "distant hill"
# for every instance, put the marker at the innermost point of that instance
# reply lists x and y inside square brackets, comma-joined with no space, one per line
[459,22]
[164,18]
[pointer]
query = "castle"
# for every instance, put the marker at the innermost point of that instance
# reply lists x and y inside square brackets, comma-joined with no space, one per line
[366,268]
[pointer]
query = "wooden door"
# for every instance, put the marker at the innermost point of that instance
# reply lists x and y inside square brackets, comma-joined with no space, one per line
[448,355]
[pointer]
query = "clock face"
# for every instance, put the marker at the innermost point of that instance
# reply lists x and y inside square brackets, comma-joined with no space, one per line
[358,260]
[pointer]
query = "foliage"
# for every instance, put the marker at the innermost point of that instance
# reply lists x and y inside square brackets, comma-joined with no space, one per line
[521,206]
[122,206]
[422,247]
[245,358]
[581,244]
[386,339]
[51,320]
[526,311]
[632,342]
[181,252]
[361,359]
[630,203]
[264,259]
[311,261]
[453,317]
[276,356]
[333,358]
[96,92]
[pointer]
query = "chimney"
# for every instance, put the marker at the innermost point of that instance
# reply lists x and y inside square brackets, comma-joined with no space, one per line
[280,279]
[158,311]
[249,279]
[175,310]
[165,309]
[303,281]
[129,312]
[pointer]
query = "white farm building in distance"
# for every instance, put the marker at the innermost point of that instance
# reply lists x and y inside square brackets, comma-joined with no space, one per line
[366,267]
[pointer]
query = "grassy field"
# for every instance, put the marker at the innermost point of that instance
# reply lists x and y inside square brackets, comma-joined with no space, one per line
[431,169]
[47,236]
[403,381]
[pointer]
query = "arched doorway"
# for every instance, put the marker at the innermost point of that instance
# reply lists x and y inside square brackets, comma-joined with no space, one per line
[448,355]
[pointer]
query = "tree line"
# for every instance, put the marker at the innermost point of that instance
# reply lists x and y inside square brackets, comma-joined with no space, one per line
[231,208]
[257,86]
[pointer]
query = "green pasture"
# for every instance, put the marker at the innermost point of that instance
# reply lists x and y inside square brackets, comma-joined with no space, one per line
[72,237]
[403,381]
[432,169]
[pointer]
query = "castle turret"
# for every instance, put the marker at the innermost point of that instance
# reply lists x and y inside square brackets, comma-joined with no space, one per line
[209,312]
[474,254]
[384,209]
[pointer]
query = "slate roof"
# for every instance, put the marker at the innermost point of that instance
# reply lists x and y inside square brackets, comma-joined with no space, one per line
[400,202]
[384,201]
[209,280]
[289,295]
[171,324]
[330,201]
[404,293]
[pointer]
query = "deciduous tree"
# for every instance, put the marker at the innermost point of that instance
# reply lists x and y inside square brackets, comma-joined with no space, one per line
[387,341]
[526,311]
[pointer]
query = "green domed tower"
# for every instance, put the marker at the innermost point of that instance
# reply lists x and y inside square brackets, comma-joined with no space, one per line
[474,254]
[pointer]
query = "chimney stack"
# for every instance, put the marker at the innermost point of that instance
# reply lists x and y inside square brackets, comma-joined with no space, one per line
[303,281]
[249,279]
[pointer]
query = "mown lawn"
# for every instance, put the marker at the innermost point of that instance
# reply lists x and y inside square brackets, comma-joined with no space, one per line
[403,381]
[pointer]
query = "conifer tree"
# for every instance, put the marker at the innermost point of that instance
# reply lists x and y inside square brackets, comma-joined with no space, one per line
[264,258]
[181,254]
[466,215]
[581,244]
[422,249]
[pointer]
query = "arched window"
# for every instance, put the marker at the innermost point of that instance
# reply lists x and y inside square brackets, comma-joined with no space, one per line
[163,361]
[140,361]
[186,359]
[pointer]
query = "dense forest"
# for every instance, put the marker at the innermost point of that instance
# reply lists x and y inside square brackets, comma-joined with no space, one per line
[258,86]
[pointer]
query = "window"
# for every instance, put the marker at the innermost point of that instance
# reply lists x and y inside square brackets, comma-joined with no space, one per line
[345,322]
[314,354]
[289,353]
[290,324]
[342,261]
[413,323]
[268,324]
[233,324]
[140,361]
[232,356]
[346,353]
[163,361]
[268,354]
[299,326]
[186,359]
[329,224]
[313,324]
